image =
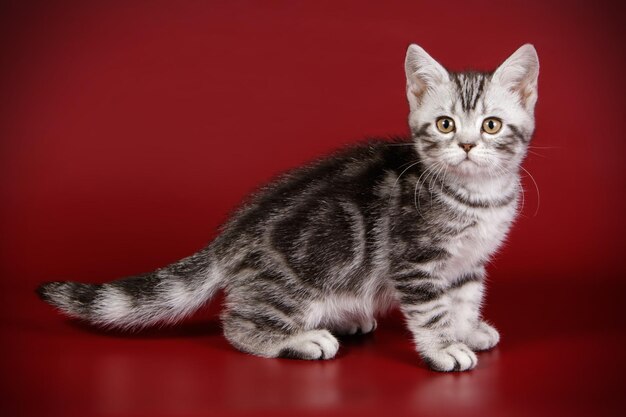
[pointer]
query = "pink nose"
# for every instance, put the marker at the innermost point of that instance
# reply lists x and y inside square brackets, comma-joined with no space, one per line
[467,146]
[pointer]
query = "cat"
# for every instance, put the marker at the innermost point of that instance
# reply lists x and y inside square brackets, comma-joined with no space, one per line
[327,247]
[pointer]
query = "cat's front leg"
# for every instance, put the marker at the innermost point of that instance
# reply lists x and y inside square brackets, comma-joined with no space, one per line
[466,294]
[427,307]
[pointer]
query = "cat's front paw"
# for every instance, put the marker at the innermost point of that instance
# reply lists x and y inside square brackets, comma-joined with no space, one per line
[454,357]
[483,337]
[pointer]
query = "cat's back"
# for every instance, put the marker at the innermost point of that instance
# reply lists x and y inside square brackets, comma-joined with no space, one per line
[349,175]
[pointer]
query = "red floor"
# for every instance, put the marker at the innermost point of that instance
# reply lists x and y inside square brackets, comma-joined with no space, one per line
[128,131]
[561,354]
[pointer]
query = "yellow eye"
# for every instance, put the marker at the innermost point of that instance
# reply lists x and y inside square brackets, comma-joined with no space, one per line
[445,124]
[492,125]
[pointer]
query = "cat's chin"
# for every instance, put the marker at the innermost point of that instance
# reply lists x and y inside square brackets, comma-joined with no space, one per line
[468,171]
[471,170]
[467,168]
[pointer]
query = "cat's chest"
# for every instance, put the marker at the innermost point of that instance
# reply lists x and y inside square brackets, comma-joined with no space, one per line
[476,244]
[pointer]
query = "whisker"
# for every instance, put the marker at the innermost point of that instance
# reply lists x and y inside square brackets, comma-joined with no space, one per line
[521,187]
[536,153]
[418,188]
[398,179]
[536,188]
[399,144]
[545,147]
[439,171]
[433,177]
[502,170]
[445,176]
[407,163]
[416,200]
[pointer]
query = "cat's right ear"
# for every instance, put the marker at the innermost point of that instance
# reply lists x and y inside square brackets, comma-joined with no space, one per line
[422,72]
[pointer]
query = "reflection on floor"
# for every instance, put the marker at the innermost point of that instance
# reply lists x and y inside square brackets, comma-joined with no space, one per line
[561,351]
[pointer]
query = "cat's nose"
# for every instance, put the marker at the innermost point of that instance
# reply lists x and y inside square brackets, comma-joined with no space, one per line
[467,146]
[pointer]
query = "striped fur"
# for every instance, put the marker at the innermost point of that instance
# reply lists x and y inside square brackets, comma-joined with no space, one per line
[324,249]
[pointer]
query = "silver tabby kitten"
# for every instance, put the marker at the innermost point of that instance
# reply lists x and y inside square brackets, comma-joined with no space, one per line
[327,247]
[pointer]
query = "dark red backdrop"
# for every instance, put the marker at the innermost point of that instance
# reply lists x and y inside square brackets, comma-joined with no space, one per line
[128,131]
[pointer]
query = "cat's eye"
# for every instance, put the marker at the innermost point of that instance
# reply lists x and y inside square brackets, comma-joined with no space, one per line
[492,125]
[445,124]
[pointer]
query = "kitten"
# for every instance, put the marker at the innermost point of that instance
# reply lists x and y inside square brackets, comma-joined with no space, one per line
[326,248]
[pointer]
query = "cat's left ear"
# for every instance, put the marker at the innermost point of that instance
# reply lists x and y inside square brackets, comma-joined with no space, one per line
[519,74]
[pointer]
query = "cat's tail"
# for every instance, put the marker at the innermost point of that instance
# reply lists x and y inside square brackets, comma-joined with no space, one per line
[165,295]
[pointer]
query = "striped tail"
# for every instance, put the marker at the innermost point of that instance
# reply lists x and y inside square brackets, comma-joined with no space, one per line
[165,295]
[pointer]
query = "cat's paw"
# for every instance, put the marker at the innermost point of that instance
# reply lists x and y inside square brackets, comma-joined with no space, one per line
[312,344]
[483,337]
[364,326]
[454,357]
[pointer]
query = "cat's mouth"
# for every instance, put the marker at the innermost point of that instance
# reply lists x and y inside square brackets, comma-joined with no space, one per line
[467,161]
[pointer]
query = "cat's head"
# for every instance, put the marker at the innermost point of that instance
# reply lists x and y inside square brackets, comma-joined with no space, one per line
[472,124]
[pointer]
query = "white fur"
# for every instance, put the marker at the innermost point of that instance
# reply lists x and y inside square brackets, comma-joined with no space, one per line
[312,344]
[477,244]
[345,313]
[446,357]
[510,96]
[114,306]
[339,310]
[423,73]
[519,74]
[465,303]
[483,174]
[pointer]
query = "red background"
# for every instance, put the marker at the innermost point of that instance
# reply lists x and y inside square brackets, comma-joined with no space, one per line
[129,130]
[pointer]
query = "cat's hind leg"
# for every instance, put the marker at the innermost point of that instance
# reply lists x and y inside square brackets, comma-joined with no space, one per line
[268,337]
[362,325]
[309,344]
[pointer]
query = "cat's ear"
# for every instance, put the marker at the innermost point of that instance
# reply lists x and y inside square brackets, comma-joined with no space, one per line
[519,74]
[422,72]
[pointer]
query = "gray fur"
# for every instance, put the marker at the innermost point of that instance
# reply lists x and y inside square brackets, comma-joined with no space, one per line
[325,248]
